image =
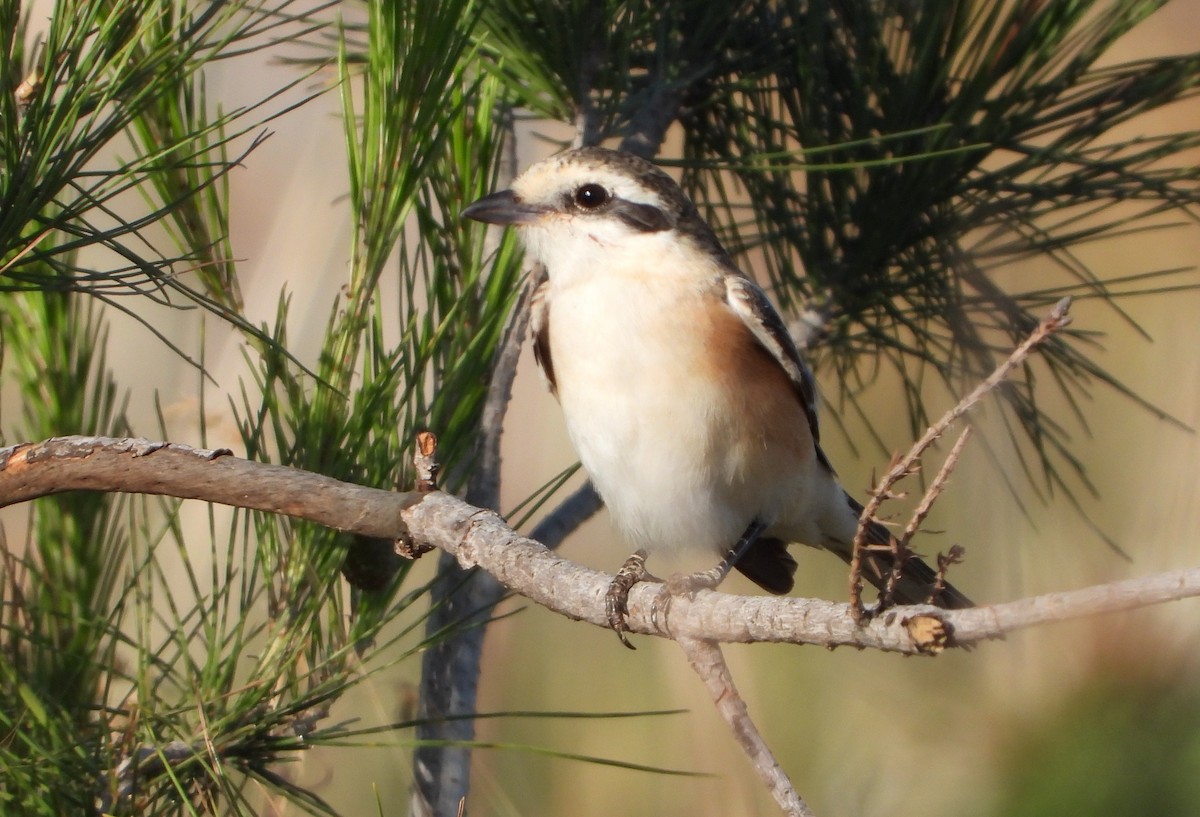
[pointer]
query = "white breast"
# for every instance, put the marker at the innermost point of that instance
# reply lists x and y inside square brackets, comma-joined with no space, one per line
[647,361]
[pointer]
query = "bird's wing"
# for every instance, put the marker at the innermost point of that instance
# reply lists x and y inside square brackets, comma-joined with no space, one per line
[539,327]
[750,303]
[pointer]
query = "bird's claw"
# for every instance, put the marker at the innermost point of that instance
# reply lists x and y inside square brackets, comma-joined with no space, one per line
[616,600]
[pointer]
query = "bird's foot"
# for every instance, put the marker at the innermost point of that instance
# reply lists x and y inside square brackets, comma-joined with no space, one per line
[616,600]
[683,584]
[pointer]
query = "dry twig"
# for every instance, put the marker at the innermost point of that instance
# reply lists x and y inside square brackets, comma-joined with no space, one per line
[901,547]
[425,462]
[936,487]
[910,462]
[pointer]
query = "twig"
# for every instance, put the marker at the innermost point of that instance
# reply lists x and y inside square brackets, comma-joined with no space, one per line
[135,465]
[425,462]
[936,487]
[707,661]
[426,466]
[484,486]
[953,557]
[1055,321]
[901,545]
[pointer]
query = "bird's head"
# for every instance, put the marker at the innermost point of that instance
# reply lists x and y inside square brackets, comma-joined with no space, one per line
[592,200]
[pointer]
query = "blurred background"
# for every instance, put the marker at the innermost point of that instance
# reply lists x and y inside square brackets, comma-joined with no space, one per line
[1092,717]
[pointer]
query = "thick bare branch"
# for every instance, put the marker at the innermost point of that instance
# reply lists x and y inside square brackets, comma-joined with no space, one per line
[139,466]
[477,537]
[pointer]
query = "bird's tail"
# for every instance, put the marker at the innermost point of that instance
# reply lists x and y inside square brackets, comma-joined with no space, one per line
[918,581]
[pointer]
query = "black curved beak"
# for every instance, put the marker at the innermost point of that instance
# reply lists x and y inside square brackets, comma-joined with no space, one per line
[501,208]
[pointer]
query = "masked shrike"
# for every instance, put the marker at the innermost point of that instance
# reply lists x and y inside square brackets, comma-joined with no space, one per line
[683,394]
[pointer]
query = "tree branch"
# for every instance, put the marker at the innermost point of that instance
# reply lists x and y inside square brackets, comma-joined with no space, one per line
[483,487]
[480,538]
[462,602]
[708,663]
[140,466]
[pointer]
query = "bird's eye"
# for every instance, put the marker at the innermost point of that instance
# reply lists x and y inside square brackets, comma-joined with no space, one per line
[591,196]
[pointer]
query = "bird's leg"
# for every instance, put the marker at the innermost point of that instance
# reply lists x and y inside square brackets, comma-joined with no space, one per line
[616,600]
[634,571]
[683,583]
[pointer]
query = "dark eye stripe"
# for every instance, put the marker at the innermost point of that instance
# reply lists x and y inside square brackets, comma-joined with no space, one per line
[644,218]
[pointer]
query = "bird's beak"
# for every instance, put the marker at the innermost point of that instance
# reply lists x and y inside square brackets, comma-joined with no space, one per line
[502,208]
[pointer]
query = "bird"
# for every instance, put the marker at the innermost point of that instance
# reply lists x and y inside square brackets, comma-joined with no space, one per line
[684,396]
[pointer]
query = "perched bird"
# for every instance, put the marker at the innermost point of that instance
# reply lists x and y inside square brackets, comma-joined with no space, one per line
[683,393]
